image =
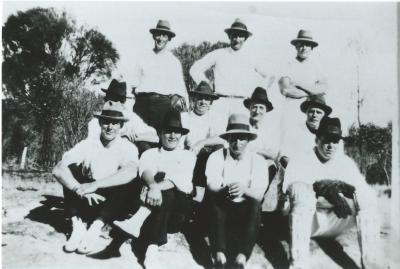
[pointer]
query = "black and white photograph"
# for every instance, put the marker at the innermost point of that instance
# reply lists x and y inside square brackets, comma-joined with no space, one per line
[194,134]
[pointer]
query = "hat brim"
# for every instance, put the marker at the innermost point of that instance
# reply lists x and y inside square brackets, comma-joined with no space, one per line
[247,103]
[99,116]
[213,96]
[233,29]
[229,133]
[330,135]
[306,104]
[296,41]
[158,30]
[122,96]
[180,130]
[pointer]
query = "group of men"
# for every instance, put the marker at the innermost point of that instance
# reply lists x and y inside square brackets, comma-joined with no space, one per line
[159,158]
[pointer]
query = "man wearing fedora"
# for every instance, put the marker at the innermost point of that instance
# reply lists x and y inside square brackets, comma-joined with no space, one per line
[158,79]
[267,142]
[326,193]
[299,138]
[95,174]
[134,129]
[301,78]
[235,70]
[237,180]
[167,197]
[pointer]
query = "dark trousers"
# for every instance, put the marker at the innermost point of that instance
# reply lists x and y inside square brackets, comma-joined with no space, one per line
[152,107]
[119,200]
[234,222]
[170,217]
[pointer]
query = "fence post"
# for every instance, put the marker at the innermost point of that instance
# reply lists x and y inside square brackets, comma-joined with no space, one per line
[23,158]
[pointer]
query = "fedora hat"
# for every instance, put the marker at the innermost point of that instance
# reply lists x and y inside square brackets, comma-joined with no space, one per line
[330,127]
[238,26]
[304,36]
[238,124]
[112,111]
[164,27]
[173,121]
[116,91]
[204,89]
[259,95]
[316,101]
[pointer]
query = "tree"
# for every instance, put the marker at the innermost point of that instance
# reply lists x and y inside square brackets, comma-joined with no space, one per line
[44,52]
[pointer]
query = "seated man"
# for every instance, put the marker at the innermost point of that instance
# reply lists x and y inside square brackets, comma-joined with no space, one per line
[237,180]
[138,132]
[89,174]
[167,172]
[321,187]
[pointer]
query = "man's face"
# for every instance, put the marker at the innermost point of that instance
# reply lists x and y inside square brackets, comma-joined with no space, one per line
[238,143]
[314,116]
[327,146]
[160,41]
[303,50]
[202,104]
[257,111]
[237,40]
[110,128]
[170,138]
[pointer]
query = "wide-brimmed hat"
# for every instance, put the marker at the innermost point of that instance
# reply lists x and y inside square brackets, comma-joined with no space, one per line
[173,121]
[204,89]
[330,127]
[259,95]
[113,111]
[316,101]
[164,27]
[238,26]
[304,36]
[238,124]
[116,91]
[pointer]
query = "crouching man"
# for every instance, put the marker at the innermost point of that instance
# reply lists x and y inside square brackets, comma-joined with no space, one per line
[237,180]
[167,172]
[95,174]
[321,188]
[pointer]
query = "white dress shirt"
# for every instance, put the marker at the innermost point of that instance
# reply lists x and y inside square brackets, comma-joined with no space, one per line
[102,161]
[267,138]
[177,165]
[251,170]
[158,72]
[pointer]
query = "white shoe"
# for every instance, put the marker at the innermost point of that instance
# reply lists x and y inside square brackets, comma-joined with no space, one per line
[151,260]
[90,241]
[134,224]
[78,232]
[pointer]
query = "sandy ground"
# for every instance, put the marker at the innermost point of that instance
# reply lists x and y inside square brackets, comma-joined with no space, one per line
[33,232]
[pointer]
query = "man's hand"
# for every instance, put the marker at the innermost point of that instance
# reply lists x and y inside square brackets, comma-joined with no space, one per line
[96,198]
[86,188]
[196,148]
[154,196]
[285,82]
[236,190]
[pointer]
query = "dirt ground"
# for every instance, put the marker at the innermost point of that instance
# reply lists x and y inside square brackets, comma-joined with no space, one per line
[34,230]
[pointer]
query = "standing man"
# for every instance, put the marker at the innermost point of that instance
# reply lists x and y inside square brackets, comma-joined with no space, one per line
[234,72]
[334,179]
[237,180]
[158,79]
[301,137]
[95,174]
[301,78]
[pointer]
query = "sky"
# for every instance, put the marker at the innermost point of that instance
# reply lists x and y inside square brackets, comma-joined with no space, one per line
[370,27]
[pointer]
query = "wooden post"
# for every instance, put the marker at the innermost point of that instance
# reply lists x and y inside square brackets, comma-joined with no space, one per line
[23,158]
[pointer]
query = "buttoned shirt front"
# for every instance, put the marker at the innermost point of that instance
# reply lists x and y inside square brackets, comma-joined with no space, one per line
[158,72]
[100,161]
[177,165]
[251,170]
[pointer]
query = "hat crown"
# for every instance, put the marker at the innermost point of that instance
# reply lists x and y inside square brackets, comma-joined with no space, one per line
[259,94]
[163,24]
[330,126]
[238,122]
[116,88]
[319,99]
[239,24]
[203,88]
[172,119]
[306,34]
